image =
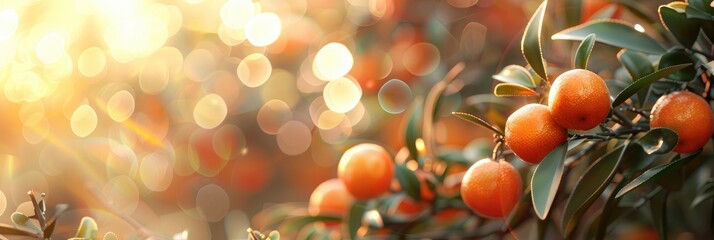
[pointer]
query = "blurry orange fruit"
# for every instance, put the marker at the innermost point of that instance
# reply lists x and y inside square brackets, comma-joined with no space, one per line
[366,170]
[330,198]
[579,99]
[531,133]
[491,188]
[688,115]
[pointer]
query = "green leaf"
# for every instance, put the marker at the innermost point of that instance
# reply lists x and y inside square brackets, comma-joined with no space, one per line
[683,29]
[408,181]
[10,230]
[572,17]
[87,228]
[609,212]
[658,141]
[614,33]
[546,180]
[590,186]
[515,74]
[655,173]
[699,9]
[645,81]
[298,223]
[20,219]
[658,208]
[636,63]
[531,42]
[413,128]
[475,120]
[704,192]
[582,55]
[677,57]
[354,218]
[274,235]
[110,236]
[512,90]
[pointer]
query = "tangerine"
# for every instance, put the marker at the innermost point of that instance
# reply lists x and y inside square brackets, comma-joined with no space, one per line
[531,133]
[330,198]
[579,99]
[688,115]
[366,170]
[491,188]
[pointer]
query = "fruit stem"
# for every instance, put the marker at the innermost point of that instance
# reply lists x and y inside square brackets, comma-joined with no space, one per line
[607,135]
[624,120]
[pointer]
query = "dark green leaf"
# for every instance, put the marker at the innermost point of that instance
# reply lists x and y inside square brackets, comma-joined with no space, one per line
[515,74]
[655,173]
[638,9]
[683,29]
[645,81]
[704,192]
[531,42]
[520,211]
[413,128]
[297,223]
[10,230]
[408,181]
[582,55]
[699,9]
[658,208]
[354,218]
[658,141]
[636,63]
[546,180]
[590,186]
[512,90]
[87,228]
[609,211]
[475,120]
[677,57]
[572,17]
[612,33]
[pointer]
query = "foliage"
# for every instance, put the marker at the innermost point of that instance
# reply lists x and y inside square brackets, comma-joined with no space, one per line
[583,188]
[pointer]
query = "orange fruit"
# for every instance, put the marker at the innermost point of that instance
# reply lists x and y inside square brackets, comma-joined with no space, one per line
[579,99]
[330,198]
[366,170]
[688,115]
[531,133]
[491,188]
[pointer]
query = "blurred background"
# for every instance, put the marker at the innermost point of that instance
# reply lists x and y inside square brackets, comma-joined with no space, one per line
[194,115]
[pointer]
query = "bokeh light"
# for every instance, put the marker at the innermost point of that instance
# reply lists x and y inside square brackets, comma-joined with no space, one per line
[254,70]
[210,111]
[394,96]
[8,23]
[263,29]
[332,62]
[83,121]
[342,95]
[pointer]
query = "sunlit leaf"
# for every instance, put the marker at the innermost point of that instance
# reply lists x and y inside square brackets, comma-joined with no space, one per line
[683,29]
[531,42]
[20,219]
[87,228]
[513,90]
[658,141]
[582,55]
[590,186]
[655,173]
[475,120]
[645,81]
[408,181]
[515,74]
[546,180]
[413,128]
[614,33]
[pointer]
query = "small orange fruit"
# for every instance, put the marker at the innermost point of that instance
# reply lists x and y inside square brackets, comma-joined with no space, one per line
[330,198]
[491,188]
[531,133]
[688,115]
[366,170]
[579,99]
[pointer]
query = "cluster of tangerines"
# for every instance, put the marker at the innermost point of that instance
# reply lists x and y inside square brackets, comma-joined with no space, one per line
[578,100]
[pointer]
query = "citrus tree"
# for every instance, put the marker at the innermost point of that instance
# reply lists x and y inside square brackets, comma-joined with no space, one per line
[577,154]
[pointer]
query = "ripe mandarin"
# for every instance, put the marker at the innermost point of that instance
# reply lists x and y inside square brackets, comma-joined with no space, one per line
[688,115]
[531,133]
[579,99]
[366,170]
[330,198]
[491,188]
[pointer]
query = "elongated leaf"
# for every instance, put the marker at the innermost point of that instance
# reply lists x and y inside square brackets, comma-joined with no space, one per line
[512,90]
[413,128]
[546,180]
[676,57]
[614,33]
[515,74]
[699,9]
[475,120]
[6,229]
[658,141]
[683,29]
[298,223]
[655,173]
[408,181]
[608,212]
[704,192]
[354,219]
[636,63]
[531,42]
[658,208]
[590,186]
[582,55]
[645,81]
